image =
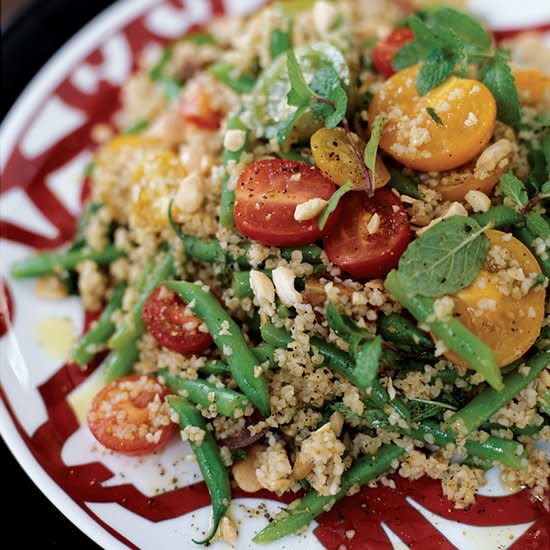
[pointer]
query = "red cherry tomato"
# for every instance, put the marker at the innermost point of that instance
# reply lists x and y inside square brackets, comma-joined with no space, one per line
[384,51]
[164,316]
[360,253]
[196,109]
[267,194]
[129,416]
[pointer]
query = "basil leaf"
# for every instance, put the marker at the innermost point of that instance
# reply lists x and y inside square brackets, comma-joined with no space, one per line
[497,76]
[333,203]
[463,26]
[435,116]
[537,225]
[405,185]
[437,69]
[300,93]
[371,148]
[279,42]
[445,259]
[513,189]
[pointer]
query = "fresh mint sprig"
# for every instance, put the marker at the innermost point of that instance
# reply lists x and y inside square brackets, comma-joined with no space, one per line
[333,203]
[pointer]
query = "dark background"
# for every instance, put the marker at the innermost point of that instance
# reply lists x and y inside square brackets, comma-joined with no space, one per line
[32,31]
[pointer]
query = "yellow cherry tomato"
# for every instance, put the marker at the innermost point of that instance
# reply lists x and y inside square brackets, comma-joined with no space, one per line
[533,86]
[132,141]
[336,158]
[155,181]
[467,110]
[508,323]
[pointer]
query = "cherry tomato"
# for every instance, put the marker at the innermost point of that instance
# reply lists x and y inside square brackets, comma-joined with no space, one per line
[384,51]
[267,194]
[467,110]
[508,323]
[533,86]
[129,416]
[195,104]
[166,320]
[369,255]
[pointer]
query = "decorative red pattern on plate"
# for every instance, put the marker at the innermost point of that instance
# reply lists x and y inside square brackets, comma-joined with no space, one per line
[6,307]
[362,512]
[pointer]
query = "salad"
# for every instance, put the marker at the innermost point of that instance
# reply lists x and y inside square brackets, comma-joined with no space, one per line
[318,247]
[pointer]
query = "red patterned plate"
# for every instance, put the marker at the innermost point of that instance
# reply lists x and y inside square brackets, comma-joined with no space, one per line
[125,502]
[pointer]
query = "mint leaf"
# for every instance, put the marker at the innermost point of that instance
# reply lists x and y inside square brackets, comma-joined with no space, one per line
[513,190]
[285,127]
[409,54]
[439,66]
[467,29]
[279,42]
[371,148]
[405,185]
[326,84]
[424,37]
[300,93]
[340,100]
[333,203]
[497,76]
[435,116]
[445,259]
[537,225]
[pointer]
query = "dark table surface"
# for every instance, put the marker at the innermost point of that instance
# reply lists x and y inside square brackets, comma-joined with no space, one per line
[29,39]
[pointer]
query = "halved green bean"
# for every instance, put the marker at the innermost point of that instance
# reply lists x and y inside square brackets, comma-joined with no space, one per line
[228,195]
[228,337]
[120,361]
[134,327]
[100,331]
[55,262]
[302,511]
[229,75]
[527,238]
[199,391]
[489,401]
[451,331]
[499,216]
[209,460]
[405,335]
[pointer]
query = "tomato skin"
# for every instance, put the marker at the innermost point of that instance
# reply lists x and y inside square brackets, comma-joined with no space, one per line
[121,415]
[362,255]
[266,197]
[197,110]
[384,51]
[164,316]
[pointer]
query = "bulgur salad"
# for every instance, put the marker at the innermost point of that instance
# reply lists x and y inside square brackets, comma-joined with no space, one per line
[320,248]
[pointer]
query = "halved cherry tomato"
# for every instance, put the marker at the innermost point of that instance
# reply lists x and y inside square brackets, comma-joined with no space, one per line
[369,255]
[267,194]
[384,51]
[196,108]
[467,110]
[129,416]
[533,86]
[165,318]
[507,324]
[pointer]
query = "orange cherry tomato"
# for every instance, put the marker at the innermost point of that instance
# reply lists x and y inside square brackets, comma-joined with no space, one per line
[508,323]
[129,416]
[467,110]
[384,51]
[533,86]
[195,105]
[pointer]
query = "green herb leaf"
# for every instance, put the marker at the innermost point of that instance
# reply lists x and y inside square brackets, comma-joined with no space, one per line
[340,100]
[513,190]
[136,127]
[409,54]
[285,127]
[199,38]
[368,362]
[439,66]
[466,28]
[371,148]
[497,76]
[89,168]
[333,203]
[171,88]
[280,41]
[434,116]
[405,185]
[157,71]
[545,187]
[445,259]
[230,76]
[537,225]
[546,151]
[326,84]
[300,93]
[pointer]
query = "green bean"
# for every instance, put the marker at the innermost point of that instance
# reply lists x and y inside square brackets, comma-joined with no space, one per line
[300,512]
[499,216]
[489,401]
[263,352]
[545,402]
[214,366]
[100,331]
[229,339]
[527,430]
[527,238]
[135,327]
[477,462]
[226,73]
[209,460]
[147,270]
[405,335]
[451,331]
[120,361]
[55,262]
[79,240]
[226,400]
[228,195]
